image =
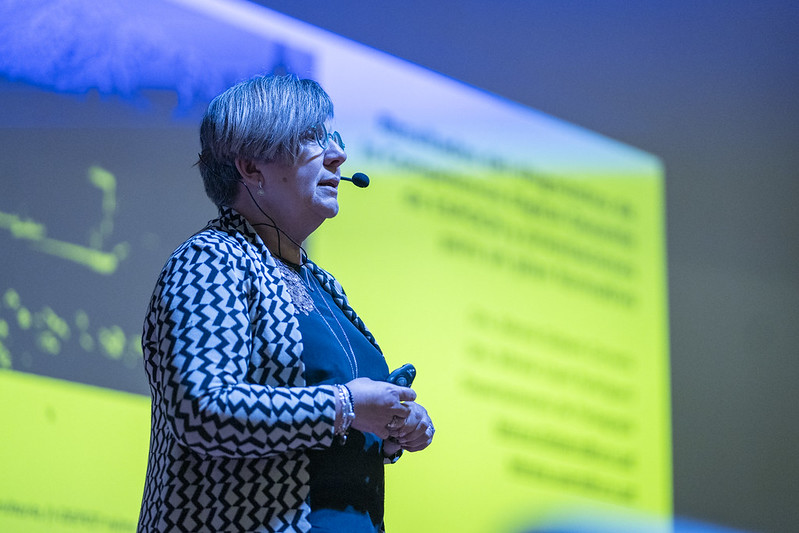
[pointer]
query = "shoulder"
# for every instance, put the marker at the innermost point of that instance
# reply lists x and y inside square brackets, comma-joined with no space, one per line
[227,240]
[329,283]
[215,256]
[211,248]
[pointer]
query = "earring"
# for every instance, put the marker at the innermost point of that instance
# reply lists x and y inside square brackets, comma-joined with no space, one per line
[260,191]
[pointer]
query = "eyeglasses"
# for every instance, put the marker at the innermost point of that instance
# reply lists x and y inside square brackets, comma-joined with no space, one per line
[322,137]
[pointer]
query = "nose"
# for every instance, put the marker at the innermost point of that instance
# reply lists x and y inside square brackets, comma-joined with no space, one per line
[334,155]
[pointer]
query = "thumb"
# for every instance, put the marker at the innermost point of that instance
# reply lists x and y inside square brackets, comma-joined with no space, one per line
[406,394]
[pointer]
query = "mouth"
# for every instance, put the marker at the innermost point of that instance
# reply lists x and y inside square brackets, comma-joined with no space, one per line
[332,181]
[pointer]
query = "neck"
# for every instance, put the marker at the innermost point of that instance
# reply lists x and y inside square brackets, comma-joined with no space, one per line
[280,244]
[282,237]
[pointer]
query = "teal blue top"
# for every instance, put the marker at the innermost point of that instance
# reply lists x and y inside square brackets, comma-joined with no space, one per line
[347,482]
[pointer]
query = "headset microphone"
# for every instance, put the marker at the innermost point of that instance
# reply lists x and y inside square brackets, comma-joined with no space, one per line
[359,179]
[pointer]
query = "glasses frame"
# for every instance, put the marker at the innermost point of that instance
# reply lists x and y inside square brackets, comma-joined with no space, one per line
[323,138]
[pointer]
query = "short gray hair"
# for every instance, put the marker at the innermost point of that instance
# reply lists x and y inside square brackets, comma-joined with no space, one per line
[264,118]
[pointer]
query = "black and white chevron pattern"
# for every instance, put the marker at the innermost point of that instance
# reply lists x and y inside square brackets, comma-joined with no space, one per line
[231,415]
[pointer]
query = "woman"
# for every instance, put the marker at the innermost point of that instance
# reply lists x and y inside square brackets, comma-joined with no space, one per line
[269,409]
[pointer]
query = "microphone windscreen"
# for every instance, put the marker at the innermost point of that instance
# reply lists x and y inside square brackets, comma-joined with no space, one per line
[360,179]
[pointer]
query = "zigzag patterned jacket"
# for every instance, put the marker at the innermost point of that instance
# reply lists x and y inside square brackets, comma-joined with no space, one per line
[231,415]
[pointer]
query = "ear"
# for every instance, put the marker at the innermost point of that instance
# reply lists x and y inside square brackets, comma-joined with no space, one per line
[249,171]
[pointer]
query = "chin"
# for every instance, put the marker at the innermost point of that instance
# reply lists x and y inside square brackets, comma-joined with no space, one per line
[333,207]
[327,210]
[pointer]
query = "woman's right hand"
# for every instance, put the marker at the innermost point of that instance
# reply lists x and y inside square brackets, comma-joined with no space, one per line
[376,403]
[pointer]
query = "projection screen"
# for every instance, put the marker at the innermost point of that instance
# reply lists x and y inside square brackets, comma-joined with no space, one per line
[516,260]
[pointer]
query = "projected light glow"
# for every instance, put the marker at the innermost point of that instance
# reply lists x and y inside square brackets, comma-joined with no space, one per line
[119,47]
[516,260]
[92,256]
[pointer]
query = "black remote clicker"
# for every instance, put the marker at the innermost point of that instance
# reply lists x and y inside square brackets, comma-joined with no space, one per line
[403,376]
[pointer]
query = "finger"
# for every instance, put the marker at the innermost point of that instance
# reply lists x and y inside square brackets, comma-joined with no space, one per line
[406,394]
[395,425]
[417,440]
[419,432]
[403,432]
[422,431]
[416,421]
[417,444]
[408,428]
[401,411]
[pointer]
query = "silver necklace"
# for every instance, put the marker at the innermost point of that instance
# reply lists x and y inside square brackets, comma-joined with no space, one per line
[351,354]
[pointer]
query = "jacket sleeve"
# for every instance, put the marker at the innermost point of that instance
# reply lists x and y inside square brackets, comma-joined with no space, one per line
[198,349]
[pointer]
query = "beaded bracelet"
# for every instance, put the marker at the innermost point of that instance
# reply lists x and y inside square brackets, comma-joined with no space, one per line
[347,412]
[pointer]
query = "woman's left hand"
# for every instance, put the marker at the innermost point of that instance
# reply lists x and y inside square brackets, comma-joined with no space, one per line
[415,432]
